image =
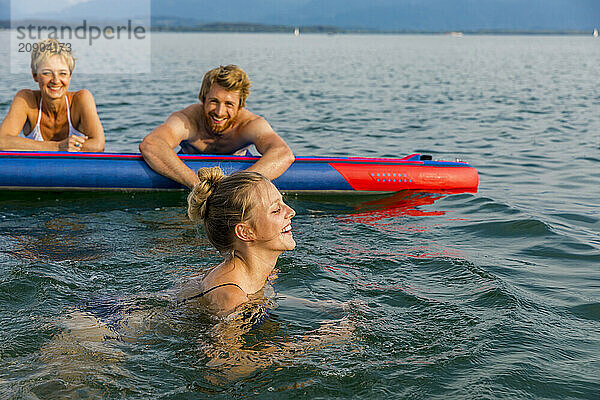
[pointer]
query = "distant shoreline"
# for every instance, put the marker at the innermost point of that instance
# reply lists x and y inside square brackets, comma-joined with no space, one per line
[261,28]
[166,25]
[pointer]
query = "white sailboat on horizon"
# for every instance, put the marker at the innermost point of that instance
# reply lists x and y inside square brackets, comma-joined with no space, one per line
[595,34]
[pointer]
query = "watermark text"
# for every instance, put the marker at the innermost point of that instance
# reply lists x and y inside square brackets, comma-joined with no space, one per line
[83,31]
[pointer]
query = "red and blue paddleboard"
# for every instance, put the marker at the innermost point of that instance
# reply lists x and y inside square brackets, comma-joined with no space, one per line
[22,170]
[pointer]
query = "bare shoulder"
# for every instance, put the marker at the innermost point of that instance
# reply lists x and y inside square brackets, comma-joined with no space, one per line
[83,100]
[248,117]
[192,112]
[23,108]
[187,118]
[27,96]
[25,102]
[252,124]
[83,95]
[25,93]
[227,298]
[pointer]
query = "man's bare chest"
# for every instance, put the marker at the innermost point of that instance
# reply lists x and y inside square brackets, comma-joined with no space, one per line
[216,145]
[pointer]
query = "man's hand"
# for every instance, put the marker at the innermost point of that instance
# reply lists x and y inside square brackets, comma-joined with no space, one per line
[157,150]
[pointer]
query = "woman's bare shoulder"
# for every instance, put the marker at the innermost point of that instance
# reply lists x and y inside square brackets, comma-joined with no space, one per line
[82,95]
[30,97]
[226,298]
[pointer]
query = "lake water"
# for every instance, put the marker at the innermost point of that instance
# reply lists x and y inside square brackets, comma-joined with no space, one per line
[494,294]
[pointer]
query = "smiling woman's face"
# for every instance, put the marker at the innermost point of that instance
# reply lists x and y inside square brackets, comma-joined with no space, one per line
[271,219]
[53,77]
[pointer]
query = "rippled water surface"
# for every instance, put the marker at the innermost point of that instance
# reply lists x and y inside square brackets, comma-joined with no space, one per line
[494,294]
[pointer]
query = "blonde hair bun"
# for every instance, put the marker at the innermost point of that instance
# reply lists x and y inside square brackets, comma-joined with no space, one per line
[198,197]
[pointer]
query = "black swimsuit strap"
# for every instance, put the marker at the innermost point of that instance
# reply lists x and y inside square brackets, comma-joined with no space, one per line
[211,289]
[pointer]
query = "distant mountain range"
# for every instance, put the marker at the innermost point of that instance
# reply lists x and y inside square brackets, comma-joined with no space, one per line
[384,15]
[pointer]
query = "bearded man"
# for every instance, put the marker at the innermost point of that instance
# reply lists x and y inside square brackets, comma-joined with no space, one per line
[219,124]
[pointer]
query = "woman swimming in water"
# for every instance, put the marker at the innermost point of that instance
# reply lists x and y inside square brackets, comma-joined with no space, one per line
[246,220]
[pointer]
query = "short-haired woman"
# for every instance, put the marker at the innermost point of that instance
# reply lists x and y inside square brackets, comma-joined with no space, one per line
[52,118]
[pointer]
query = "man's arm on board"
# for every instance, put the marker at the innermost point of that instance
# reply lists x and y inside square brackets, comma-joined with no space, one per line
[157,149]
[276,154]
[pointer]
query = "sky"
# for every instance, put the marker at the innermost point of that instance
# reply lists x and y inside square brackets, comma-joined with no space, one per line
[22,8]
[51,9]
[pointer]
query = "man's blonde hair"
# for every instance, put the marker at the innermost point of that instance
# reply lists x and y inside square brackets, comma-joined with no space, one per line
[45,49]
[231,78]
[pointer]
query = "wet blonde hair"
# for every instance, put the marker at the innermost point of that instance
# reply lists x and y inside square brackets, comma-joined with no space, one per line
[221,202]
[45,49]
[231,78]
